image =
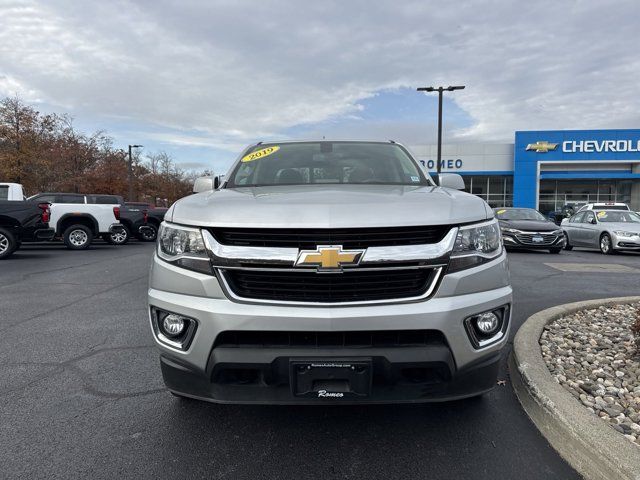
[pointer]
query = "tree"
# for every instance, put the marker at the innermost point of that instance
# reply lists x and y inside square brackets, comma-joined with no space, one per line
[45,152]
[17,127]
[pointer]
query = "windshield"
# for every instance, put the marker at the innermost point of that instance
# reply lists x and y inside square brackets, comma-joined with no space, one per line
[618,216]
[326,163]
[518,214]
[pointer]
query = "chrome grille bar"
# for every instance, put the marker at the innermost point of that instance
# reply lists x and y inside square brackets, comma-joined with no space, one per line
[229,256]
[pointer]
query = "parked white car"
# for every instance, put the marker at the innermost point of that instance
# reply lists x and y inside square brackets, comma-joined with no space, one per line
[77,222]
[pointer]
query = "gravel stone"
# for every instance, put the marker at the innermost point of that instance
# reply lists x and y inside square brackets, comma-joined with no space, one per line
[593,355]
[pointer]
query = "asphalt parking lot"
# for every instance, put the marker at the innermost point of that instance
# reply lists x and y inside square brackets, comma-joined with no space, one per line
[82,394]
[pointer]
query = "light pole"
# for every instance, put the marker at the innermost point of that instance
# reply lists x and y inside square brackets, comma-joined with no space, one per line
[131,194]
[440,90]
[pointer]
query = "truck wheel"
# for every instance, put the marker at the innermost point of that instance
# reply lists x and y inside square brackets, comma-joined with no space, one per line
[77,237]
[120,236]
[149,234]
[8,243]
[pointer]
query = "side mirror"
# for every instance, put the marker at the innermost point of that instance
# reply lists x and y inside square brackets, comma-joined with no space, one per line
[217,181]
[203,184]
[593,221]
[451,180]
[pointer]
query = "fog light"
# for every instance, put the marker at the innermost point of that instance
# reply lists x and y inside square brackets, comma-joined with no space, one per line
[173,325]
[487,323]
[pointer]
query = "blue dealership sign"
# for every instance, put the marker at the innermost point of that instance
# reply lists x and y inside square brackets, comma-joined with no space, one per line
[535,147]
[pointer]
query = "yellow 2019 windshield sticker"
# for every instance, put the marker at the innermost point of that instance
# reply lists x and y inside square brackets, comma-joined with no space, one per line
[258,154]
[602,214]
[500,212]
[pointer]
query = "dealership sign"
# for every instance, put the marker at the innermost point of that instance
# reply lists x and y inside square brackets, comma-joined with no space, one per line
[587,146]
[601,146]
[450,164]
[444,164]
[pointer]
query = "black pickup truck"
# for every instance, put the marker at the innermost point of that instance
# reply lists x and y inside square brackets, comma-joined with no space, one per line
[155,216]
[23,221]
[134,222]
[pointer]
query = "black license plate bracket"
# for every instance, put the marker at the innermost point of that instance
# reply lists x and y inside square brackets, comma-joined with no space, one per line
[331,378]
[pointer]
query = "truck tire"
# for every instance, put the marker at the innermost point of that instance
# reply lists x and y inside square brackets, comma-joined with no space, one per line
[149,235]
[77,237]
[120,236]
[8,244]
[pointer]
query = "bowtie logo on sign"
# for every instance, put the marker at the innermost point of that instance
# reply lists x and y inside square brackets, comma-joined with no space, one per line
[542,146]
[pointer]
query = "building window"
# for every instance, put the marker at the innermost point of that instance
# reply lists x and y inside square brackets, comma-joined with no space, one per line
[497,190]
[554,194]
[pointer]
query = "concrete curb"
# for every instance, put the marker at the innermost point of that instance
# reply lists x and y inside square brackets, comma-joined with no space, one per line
[588,444]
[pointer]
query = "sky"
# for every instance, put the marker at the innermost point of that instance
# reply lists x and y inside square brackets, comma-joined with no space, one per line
[203,79]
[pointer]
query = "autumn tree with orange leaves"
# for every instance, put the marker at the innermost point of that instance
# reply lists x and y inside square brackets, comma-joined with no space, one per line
[45,152]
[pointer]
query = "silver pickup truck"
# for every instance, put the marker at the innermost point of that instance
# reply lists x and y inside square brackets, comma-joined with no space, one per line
[332,272]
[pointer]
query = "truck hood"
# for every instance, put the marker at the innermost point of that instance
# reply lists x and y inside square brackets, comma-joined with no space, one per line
[329,206]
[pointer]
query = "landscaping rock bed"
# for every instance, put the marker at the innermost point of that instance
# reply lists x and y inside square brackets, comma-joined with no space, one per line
[592,354]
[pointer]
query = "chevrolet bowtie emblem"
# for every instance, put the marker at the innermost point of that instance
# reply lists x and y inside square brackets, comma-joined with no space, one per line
[329,258]
[542,147]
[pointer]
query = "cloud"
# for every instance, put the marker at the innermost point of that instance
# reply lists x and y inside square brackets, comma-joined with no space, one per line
[222,73]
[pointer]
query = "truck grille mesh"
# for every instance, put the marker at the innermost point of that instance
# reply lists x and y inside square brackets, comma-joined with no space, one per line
[347,237]
[352,286]
[363,339]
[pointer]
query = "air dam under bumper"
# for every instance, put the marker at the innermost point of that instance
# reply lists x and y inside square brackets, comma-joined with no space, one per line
[432,382]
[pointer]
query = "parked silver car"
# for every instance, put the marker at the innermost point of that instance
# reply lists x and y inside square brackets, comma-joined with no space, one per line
[329,272]
[607,230]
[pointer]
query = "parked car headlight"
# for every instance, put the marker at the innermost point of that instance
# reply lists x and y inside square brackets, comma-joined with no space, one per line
[184,247]
[476,244]
[508,230]
[622,233]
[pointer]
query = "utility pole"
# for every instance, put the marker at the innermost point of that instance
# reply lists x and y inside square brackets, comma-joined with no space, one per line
[440,90]
[132,197]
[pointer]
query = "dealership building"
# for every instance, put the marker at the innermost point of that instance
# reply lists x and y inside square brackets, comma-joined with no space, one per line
[547,169]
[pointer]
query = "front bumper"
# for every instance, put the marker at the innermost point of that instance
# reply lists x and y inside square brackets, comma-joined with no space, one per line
[625,243]
[389,385]
[451,369]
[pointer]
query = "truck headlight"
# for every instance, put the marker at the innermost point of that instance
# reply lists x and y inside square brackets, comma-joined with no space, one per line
[476,244]
[622,233]
[184,247]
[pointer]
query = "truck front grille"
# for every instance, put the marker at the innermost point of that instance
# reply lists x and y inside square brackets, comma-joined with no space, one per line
[353,339]
[347,237]
[313,287]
